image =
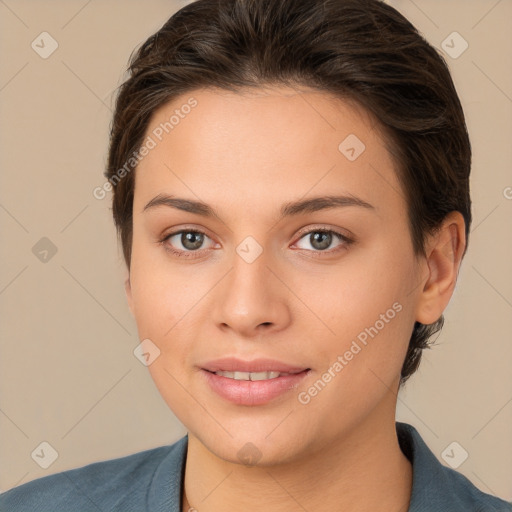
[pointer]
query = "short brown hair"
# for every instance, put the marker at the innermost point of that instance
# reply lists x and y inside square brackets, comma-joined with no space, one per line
[362,50]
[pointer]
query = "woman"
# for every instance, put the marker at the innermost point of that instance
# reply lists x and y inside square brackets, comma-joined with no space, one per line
[291,188]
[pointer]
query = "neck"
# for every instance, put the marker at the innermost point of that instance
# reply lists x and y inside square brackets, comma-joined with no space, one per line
[362,470]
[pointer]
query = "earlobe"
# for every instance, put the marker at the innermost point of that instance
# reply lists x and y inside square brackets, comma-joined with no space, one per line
[444,255]
[128,292]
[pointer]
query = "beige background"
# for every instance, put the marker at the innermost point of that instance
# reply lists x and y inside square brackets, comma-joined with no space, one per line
[68,374]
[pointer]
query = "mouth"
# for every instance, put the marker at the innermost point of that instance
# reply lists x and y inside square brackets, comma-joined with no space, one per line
[253,388]
[254,382]
[260,368]
[254,376]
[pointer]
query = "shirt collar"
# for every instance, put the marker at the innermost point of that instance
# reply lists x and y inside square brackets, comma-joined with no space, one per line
[430,487]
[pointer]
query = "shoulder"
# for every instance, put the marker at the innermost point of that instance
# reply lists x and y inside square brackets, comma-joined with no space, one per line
[117,484]
[438,487]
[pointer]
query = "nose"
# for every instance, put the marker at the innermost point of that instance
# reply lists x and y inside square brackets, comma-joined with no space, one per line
[252,300]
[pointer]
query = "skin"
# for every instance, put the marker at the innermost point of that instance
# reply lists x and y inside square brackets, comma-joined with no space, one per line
[246,154]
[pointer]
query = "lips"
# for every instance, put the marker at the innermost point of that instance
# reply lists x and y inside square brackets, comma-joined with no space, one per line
[233,364]
[251,383]
[253,393]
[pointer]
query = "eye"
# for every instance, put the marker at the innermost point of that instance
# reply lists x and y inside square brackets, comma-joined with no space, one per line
[321,239]
[185,241]
[189,243]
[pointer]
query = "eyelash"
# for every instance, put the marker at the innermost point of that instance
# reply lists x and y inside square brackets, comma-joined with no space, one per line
[317,253]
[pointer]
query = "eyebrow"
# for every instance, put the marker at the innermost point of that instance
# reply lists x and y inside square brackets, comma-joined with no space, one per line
[288,209]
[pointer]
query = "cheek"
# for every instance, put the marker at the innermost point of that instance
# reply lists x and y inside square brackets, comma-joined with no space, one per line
[361,364]
[163,304]
[367,307]
[160,294]
[354,294]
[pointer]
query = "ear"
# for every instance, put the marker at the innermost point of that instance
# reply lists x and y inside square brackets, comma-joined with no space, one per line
[444,252]
[128,292]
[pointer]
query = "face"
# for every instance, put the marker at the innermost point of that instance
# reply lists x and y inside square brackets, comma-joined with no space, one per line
[266,270]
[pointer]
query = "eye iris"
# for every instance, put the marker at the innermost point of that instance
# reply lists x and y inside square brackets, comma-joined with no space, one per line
[191,240]
[320,240]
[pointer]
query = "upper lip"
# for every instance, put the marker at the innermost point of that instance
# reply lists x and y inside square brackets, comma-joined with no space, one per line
[232,364]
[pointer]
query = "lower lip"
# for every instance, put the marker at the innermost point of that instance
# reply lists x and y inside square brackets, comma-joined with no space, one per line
[247,392]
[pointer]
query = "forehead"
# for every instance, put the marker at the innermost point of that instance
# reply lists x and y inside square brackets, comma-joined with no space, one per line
[256,147]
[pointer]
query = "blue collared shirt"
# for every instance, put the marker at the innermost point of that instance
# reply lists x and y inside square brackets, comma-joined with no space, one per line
[152,481]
